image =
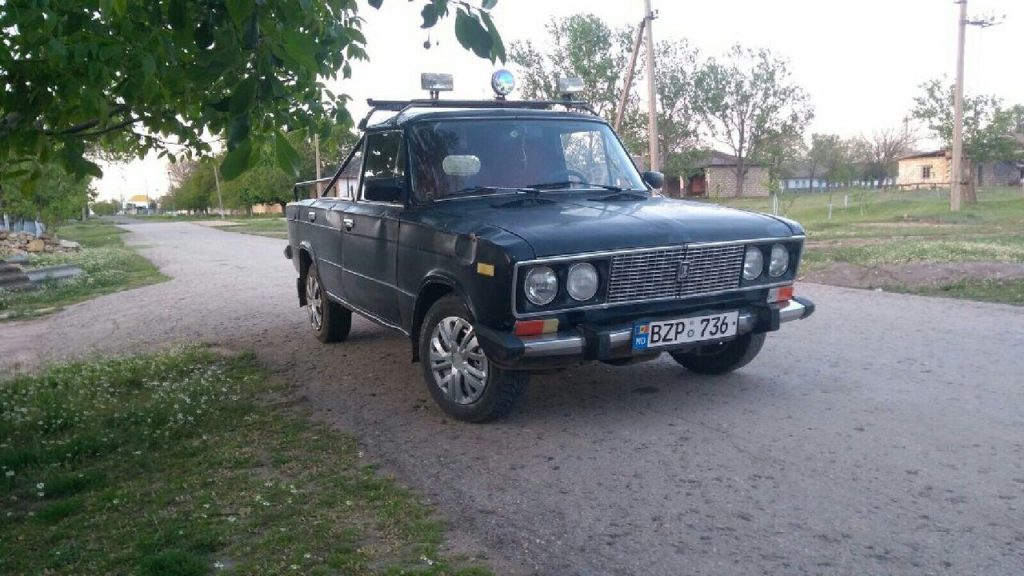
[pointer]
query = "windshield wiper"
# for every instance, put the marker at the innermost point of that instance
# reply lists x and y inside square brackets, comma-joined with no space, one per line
[621,195]
[570,183]
[479,190]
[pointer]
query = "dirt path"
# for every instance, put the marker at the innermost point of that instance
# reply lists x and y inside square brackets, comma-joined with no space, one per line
[883,435]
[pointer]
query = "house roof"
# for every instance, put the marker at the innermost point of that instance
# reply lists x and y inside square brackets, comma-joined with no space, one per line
[714,158]
[139,199]
[932,154]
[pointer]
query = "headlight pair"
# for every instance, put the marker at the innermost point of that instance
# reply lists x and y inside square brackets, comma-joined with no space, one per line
[541,283]
[753,262]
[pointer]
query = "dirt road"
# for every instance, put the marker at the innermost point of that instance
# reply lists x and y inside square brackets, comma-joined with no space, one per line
[883,435]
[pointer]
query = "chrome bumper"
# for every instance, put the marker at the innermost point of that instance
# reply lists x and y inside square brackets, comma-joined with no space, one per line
[574,344]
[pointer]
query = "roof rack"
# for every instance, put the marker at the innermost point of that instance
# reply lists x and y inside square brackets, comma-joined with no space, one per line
[403,105]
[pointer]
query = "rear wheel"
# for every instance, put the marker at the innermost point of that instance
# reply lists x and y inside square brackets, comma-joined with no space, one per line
[330,321]
[461,379]
[721,358]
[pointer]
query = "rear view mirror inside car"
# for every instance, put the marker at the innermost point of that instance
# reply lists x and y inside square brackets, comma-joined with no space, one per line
[461,165]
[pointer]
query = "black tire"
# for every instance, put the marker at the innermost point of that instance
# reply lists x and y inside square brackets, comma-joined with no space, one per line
[330,321]
[721,358]
[465,397]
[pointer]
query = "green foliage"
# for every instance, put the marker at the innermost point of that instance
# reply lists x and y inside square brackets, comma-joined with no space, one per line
[127,77]
[105,207]
[748,101]
[53,196]
[987,130]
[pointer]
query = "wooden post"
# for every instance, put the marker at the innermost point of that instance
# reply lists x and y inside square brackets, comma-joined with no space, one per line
[629,75]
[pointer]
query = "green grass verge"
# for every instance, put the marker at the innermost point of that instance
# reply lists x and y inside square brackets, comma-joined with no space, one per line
[109,266]
[190,463]
[272,227]
[872,228]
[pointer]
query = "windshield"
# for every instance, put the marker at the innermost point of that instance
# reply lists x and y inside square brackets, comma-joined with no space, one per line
[453,158]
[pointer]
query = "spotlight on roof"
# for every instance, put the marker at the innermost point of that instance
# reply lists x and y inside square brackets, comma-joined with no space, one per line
[503,82]
[436,83]
[569,86]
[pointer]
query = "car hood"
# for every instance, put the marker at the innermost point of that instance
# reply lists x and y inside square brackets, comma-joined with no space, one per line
[570,223]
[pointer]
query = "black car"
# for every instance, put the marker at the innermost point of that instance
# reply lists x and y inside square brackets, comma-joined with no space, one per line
[508,237]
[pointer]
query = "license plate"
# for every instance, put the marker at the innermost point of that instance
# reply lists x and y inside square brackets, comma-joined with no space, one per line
[659,333]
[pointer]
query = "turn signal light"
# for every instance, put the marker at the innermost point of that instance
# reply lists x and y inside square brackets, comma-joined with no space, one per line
[535,327]
[781,294]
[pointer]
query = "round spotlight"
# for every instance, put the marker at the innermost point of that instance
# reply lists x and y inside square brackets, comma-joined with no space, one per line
[503,82]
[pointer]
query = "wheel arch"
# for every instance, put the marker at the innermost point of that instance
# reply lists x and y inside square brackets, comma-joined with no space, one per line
[433,288]
[306,258]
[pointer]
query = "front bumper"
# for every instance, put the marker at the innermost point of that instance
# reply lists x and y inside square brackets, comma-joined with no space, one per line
[615,343]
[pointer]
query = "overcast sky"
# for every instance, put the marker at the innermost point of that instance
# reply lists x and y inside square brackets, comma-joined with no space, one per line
[861,62]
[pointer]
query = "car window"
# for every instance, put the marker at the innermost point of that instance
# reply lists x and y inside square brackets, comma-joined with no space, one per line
[384,163]
[345,187]
[470,157]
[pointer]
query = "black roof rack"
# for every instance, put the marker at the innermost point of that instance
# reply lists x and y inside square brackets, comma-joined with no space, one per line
[403,105]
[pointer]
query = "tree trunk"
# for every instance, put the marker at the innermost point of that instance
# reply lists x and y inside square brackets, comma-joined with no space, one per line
[968,193]
[740,169]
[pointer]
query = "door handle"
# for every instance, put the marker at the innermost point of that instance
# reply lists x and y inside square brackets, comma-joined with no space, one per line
[349,223]
[312,216]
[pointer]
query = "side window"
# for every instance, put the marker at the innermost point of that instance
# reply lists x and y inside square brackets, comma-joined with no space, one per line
[383,168]
[345,187]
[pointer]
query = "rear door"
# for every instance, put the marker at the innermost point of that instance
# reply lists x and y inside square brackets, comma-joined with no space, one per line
[370,229]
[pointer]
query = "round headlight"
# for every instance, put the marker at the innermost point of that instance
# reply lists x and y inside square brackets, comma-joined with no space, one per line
[541,285]
[581,283]
[779,262]
[503,82]
[753,263]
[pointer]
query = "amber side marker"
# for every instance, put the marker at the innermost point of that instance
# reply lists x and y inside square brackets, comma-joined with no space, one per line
[485,269]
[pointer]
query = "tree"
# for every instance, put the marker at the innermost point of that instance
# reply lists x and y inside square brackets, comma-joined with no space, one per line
[105,207]
[128,76]
[885,148]
[748,100]
[583,46]
[987,129]
[54,197]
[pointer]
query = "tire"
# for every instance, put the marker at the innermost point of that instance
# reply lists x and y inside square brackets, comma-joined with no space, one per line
[721,358]
[463,382]
[330,321]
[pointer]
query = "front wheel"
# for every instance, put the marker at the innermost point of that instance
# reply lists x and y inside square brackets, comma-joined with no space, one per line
[721,358]
[461,379]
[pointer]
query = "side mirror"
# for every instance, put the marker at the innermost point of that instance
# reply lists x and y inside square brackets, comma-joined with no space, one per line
[655,179]
[384,190]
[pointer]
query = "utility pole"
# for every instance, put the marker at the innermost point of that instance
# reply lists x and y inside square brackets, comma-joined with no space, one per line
[216,180]
[652,95]
[316,153]
[956,177]
[629,75]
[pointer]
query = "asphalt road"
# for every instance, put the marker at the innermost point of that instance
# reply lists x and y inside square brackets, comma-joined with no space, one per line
[884,435]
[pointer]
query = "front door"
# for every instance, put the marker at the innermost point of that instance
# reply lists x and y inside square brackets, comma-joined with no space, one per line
[370,228]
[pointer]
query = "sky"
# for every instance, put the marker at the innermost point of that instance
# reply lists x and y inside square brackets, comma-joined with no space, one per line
[861,62]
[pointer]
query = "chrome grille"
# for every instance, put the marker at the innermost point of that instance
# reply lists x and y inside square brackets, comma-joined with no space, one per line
[654,274]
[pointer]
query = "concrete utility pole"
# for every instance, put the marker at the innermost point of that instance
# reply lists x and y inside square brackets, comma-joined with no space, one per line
[956,177]
[652,95]
[216,180]
[316,152]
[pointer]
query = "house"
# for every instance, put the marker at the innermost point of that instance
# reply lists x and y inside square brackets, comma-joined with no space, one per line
[932,170]
[139,204]
[798,178]
[716,176]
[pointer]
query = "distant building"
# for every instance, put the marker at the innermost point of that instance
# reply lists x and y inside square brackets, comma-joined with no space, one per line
[716,177]
[933,169]
[139,204]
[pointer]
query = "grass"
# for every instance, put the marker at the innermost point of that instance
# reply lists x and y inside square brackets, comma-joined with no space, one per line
[872,228]
[191,463]
[109,266]
[272,227]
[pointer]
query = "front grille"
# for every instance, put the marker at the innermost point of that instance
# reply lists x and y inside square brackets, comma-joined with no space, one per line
[654,274]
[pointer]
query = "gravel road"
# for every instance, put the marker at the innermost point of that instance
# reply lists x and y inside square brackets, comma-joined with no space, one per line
[885,435]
